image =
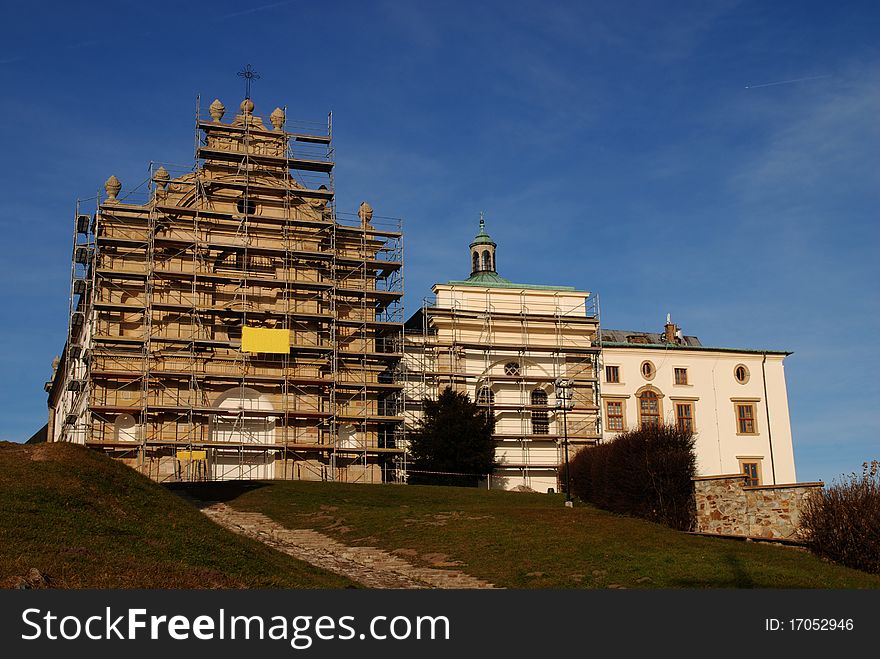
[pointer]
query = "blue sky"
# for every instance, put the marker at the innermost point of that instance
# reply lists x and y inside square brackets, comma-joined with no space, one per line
[642,150]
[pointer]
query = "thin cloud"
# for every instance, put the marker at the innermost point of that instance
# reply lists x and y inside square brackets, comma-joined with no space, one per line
[831,134]
[252,10]
[788,82]
[89,43]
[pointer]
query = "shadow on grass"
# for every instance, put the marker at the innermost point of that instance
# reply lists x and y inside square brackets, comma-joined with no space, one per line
[216,491]
[738,577]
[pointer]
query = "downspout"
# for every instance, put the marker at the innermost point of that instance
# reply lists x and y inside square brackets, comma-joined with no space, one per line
[767,410]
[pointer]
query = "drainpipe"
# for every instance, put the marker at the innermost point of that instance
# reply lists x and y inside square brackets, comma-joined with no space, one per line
[767,410]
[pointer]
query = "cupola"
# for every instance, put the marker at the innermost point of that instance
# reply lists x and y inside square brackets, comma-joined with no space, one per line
[482,251]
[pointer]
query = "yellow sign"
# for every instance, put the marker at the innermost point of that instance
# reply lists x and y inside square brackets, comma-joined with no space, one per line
[192,455]
[257,339]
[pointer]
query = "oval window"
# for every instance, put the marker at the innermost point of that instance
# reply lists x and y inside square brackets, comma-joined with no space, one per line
[246,206]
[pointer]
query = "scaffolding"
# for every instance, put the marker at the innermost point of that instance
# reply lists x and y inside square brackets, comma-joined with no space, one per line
[165,279]
[507,354]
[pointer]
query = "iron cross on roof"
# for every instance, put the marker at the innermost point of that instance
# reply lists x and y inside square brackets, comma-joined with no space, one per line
[248,74]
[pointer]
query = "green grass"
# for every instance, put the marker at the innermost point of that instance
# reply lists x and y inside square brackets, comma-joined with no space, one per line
[505,536]
[86,521]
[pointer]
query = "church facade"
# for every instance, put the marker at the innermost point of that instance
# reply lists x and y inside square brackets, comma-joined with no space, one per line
[536,358]
[227,322]
[508,345]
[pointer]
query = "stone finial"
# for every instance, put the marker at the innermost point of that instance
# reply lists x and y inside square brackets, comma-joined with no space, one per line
[112,186]
[365,212]
[247,106]
[161,176]
[217,110]
[278,118]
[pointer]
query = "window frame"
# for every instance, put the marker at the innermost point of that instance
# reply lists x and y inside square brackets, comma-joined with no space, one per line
[644,395]
[246,206]
[616,368]
[621,416]
[650,376]
[487,403]
[737,404]
[746,373]
[683,371]
[515,372]
[540,418]
[691,417]
[756,478]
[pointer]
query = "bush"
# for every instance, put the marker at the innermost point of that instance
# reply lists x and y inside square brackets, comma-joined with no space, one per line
[842,522]
[646,472]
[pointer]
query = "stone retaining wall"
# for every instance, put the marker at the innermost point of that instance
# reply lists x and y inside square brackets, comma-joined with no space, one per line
[727,506]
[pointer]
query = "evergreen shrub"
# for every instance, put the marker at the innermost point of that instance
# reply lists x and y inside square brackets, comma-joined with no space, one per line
[647,472]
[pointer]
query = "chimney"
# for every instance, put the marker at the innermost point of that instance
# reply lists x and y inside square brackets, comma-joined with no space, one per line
[669,330]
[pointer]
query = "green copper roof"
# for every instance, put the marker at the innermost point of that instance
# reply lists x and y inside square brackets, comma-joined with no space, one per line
[483,238]
[487,278]
[493,280]
[674,346]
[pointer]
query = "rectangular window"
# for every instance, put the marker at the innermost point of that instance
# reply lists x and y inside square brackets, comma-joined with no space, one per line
[612,374]
[540,422]
[745,419]
[681,376]
[684,416]
[614,415]
[752,471]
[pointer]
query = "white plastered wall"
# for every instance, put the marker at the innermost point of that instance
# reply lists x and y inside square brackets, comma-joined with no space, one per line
[714,391]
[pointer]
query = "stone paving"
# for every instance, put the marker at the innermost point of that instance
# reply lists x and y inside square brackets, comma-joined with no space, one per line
[370,566]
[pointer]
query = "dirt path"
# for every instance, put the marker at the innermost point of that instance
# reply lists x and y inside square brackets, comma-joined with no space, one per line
[372,567]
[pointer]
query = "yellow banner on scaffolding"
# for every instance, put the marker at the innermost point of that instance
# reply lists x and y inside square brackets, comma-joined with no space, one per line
[257,339]
[192,455]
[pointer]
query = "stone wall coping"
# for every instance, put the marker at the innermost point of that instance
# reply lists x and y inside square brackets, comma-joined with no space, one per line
[783,486]
[719,477]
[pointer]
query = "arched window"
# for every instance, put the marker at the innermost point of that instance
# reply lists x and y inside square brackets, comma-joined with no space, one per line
[540,418]
[649,409]
[486,398]
[241,417]
[487,260]
[476,262]
[125,428]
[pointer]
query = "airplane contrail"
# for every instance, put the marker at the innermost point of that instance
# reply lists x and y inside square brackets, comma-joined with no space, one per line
[252,10]
[787,82]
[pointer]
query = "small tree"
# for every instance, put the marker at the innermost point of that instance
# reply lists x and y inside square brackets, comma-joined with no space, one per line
[454,435]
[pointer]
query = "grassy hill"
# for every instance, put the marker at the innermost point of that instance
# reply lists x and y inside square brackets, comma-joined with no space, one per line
[522,540]
[85,521]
